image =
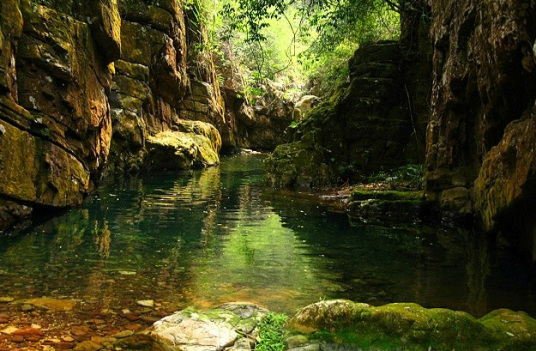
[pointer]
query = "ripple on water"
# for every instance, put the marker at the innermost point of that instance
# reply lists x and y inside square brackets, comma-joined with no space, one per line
[214,236]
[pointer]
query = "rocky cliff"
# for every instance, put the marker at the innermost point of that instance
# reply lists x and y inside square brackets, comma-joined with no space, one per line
[480,136]
[109,86]
[376,122]
[55,116]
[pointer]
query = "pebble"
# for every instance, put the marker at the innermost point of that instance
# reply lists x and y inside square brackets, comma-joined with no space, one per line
[51,341]
[88,346]
[79,330]
[123,334]
[132,317]
[146,303]
[134,327]
[127,273]
[149,319]
[26,308]
[67,339]
[9,330]
[33,338]
[17,338]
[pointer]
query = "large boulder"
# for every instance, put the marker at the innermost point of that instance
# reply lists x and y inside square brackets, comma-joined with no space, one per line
[194,145]
[344,324]
[232,326]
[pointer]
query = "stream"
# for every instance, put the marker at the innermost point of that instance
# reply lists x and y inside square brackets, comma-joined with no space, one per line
[207,237]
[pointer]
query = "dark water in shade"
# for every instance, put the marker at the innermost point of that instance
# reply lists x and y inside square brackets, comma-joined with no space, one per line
[217,235]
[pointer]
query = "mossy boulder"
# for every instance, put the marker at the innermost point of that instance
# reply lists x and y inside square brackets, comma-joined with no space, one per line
[296,165]
[196,146]
[407,326]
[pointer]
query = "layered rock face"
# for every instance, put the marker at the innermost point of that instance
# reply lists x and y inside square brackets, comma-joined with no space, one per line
[149,88]
[55,120]
[259,124]
[370,125]
[484,91]
[110,85]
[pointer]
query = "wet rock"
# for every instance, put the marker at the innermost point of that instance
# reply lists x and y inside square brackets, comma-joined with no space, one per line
[52,304]
[192,330]
[145,303]
[88,346]
[26,307]
[17,338]
[79,330]
[4,318]
[67,338]
[9,330]
[410,326]
[123,334]
[173,150]
[503,191]
[57,114]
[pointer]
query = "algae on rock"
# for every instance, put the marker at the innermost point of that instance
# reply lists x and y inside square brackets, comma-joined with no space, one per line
[409,326]
[197,146]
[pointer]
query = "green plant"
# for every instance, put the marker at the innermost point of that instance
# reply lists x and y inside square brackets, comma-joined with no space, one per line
[410,174]
[271,332]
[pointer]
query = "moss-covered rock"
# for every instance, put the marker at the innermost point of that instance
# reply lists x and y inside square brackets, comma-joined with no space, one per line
[106,28]
[366,126]
[296,165]
[406,326]
[196,146]
[215,329]
[506,186]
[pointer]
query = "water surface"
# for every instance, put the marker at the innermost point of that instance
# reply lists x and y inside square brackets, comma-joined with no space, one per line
[207,237]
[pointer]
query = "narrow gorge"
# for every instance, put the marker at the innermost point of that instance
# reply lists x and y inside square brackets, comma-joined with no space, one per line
[168,182]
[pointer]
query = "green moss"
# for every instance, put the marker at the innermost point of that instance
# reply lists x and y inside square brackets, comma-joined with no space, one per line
[359,194]
[271,330]
[412,327]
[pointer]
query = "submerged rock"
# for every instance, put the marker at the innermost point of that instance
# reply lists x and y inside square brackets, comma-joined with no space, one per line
[408,326]
[52,304]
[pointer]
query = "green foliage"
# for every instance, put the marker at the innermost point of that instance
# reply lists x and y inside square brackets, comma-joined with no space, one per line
[409,174]
[271,332]
[304,40]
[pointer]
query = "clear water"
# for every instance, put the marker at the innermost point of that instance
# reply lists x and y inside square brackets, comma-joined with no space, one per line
[207,237]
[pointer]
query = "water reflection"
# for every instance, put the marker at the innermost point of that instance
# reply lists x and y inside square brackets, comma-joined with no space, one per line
[214,236]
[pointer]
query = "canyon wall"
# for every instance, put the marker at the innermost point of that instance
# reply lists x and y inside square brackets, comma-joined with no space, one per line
[55,117]
[480,141]
[104,87]
[376,122]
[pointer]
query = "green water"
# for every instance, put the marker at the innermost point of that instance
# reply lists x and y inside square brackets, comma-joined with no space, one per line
[213,236]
